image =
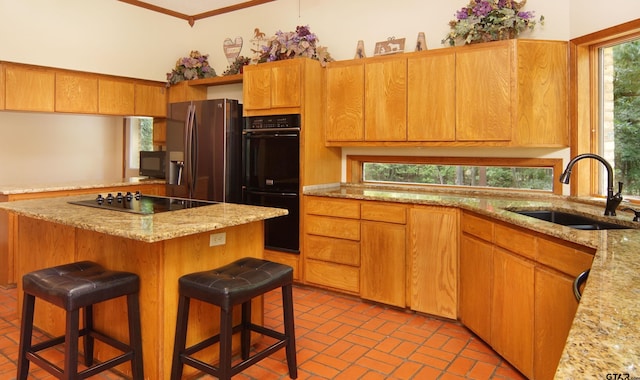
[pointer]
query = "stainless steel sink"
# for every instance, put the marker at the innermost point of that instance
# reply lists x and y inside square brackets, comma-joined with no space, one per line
[576,221]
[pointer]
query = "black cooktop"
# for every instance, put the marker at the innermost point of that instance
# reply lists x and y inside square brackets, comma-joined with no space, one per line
[141,204]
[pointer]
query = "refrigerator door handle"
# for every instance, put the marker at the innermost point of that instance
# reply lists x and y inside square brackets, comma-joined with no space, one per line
[184,169]
[194,151]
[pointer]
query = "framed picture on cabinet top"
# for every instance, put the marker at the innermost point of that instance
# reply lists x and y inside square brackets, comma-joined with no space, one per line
[390,46]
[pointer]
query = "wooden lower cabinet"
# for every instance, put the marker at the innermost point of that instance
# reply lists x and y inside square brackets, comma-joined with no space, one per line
[383,268]
[476,274]
[432,255]
[516,291]
[512,309]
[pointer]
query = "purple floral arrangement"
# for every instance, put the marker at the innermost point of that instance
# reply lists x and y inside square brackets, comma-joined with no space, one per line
[490,20]
[301,43]
[195,66]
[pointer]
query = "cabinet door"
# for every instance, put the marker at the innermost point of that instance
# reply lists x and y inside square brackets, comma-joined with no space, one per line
[476,273]
[2,86]
[512,309]
[431,97]
[483,92]
[29,89]
[555,307]
[345,101]
[286,84]
[385,105]
[76,93]
[433,255]
[382,263]
[256,87]
[150,100]
[115,97]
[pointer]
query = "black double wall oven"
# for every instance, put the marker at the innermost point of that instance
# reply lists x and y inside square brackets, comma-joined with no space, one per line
[271,175]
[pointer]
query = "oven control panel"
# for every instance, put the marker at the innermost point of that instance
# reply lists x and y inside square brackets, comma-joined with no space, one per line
[272,122]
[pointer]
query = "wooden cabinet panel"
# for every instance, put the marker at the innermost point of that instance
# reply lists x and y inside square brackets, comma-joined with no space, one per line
[76,93]
[2,86]
[332,227]
[483,93]
[555,308]
[384,212]
[564,257]
[433,255]
[183,92]
[385,99]
[343,277]
[29,89]
[150,100]
[332,207]
[338,251]
[382,266]
[477,226]
[476,283]
[512,309]
[345,101]
[431,96]
[273,85]
[115,97]
[515,240]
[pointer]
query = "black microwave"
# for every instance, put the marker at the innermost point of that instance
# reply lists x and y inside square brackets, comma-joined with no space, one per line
[152,163]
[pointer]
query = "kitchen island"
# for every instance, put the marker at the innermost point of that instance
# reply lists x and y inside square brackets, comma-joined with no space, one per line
[159,248]
[604,338]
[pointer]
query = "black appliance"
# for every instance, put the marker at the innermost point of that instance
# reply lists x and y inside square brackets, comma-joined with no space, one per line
[152,163]
[271,175]
[141,204]
[204,150]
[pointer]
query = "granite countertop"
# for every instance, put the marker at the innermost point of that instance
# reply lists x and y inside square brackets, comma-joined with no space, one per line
[42,187]
[604,337]
[147,228]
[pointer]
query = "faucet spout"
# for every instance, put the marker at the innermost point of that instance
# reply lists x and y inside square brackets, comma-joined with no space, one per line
[613,200]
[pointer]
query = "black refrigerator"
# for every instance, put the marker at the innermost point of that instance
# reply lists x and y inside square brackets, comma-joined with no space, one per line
[204,150]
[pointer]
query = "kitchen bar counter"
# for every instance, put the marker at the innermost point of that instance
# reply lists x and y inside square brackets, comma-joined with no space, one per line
[604,338]
[80,185]
[160,248]
[146,228]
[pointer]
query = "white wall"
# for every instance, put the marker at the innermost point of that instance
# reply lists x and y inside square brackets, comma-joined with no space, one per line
[112,37]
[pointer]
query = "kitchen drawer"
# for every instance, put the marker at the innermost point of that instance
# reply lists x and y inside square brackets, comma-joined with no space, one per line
[338,251]
[477,226]
[383,212]
[332,227]
[520,242]
[332,207]
[343,277]
[565,257]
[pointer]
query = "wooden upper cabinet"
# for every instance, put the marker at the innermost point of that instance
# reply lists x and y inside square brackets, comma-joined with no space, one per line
[115,97]
[484,92]
[345,101]
[385,106]
[150,100]
[76,93]
[183,92]
[431,93]
[273,85]
[29,88]
[2,86]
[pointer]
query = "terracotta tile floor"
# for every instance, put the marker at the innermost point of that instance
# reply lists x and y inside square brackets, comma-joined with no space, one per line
[338,337]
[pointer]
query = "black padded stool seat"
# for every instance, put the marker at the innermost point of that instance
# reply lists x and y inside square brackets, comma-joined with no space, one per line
[72,287]
[234,284]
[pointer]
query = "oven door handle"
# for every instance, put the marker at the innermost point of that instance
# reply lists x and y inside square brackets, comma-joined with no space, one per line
[272,193]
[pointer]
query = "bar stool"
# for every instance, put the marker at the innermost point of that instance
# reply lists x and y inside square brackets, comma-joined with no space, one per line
[72,287]
[234,284]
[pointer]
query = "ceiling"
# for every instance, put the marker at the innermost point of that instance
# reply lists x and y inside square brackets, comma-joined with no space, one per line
[192,10]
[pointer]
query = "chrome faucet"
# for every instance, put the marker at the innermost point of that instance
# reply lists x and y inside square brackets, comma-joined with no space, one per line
[613,200]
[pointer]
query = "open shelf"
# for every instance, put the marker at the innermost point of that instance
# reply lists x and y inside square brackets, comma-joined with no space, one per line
[216,81]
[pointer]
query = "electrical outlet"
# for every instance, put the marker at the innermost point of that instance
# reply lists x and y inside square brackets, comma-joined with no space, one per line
[217,239]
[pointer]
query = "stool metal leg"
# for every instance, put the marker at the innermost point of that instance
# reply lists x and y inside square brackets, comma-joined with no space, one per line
[26,332]
[135,336]
[226,334]
[71,345]
[88,339]
[289,330]
[181,337]
[245,332]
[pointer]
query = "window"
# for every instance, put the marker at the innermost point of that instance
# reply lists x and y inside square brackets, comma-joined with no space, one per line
[138,137]
[599,122]
[494,173]
[620,113]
